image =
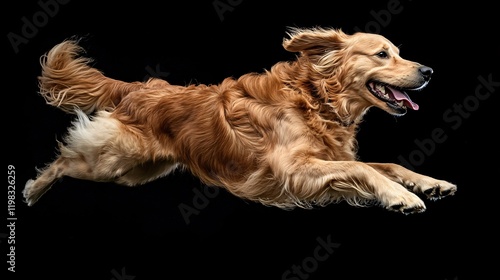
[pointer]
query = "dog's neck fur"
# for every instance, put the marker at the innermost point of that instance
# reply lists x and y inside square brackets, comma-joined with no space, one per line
[332,99]
[298,86]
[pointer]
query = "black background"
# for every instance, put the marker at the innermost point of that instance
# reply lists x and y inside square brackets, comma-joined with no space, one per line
[85,230]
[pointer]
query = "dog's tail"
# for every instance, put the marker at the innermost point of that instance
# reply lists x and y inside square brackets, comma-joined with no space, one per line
[68,82]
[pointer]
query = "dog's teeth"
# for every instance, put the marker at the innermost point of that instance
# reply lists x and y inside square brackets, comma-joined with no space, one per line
[400,104]
[381,88]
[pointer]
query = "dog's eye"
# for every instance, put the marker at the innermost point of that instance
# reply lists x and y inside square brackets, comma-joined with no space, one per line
[382,54]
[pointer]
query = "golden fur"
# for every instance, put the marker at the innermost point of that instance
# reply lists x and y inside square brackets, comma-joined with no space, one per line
[284,137]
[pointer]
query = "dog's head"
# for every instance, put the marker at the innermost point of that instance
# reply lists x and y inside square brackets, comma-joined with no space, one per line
[362,69]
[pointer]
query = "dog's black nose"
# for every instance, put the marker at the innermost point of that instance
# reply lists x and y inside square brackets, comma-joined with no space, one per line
[426,72]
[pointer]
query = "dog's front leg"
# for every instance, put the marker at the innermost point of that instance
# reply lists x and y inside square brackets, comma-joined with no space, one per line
[418,183]
[353,181]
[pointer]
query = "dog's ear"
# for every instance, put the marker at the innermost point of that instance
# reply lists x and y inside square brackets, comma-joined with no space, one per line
[314,41]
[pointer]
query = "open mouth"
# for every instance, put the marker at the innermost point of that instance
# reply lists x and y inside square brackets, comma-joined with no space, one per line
[394,97]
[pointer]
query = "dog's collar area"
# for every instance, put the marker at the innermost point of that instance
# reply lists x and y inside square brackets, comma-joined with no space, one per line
[312,91]
[325,103]
[330,113]
[345,123]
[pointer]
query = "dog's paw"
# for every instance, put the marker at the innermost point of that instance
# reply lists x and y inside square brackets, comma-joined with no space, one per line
[433,189]
[404,202]
[407,209]
[27,192]
[440,190]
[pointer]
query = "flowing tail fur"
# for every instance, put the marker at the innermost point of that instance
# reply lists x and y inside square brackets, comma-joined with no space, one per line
[68,82]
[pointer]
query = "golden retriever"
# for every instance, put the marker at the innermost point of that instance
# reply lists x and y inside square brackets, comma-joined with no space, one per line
[284,137]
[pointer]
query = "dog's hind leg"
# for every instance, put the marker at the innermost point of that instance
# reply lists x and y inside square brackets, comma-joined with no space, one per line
[101,149]
[62,166]
[97,150]
[108,169]
[146,172]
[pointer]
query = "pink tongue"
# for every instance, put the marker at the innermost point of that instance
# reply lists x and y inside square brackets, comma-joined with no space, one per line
[399,95]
